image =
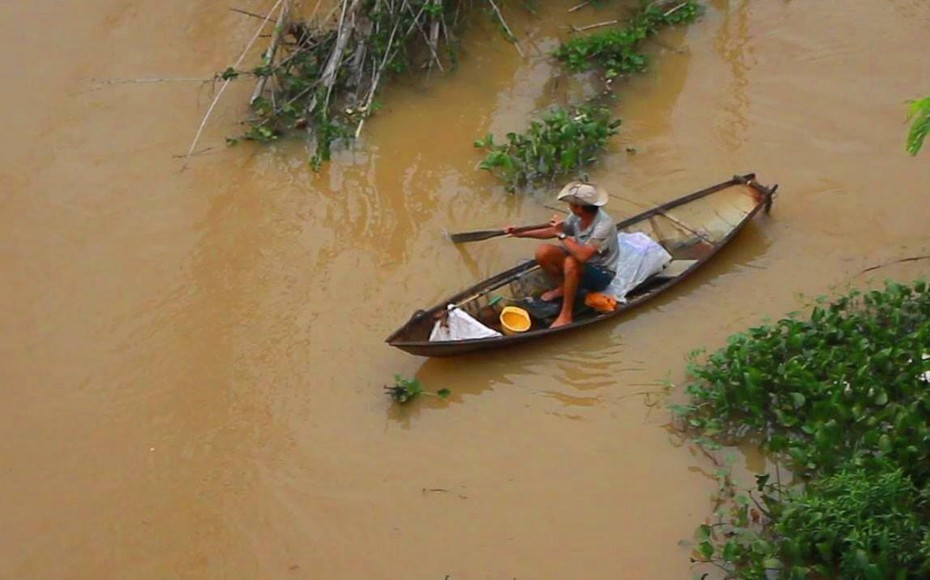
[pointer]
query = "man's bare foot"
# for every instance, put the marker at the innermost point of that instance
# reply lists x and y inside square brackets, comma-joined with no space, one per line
[560,322]
[551,295]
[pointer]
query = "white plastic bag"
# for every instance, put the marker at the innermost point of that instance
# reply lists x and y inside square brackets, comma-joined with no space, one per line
[640,258]
[459,325]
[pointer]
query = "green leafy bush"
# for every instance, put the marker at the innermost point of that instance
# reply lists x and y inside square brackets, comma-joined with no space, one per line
[842,397]
[859,523]
[849,381]
[562,142]
[616,51]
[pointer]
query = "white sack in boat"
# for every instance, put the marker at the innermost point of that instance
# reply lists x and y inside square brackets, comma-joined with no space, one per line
[459,325]
[640,257]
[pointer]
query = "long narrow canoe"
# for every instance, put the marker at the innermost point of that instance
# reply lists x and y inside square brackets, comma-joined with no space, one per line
[692,229]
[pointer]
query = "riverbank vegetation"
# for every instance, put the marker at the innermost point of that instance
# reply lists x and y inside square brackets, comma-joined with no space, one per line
[842,399]
[321,74]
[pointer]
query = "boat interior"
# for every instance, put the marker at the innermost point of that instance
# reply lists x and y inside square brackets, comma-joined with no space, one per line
[690,234]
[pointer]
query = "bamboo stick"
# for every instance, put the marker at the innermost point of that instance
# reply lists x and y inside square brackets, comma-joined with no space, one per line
[591,26]
[252,14]
[219,93]
[510,34]
[328,78]
[269,54]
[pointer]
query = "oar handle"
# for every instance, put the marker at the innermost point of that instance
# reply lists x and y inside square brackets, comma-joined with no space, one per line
[487,234]
[521,229]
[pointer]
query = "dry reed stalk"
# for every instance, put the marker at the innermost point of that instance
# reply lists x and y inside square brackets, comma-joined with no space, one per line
[219,93]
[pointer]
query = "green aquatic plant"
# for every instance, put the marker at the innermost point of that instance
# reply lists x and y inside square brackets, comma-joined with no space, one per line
[406,389]
[851,380]
[560,143]
[865,521]
[566,139]
[616,51]
[919,115]
[842,397]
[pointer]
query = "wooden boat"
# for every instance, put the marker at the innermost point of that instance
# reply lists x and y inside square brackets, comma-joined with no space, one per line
[692,229]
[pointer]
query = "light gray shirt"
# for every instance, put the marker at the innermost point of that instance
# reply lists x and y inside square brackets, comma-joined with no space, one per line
[602,234]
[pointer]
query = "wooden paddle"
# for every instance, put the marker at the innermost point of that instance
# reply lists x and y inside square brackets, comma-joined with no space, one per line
[486,234]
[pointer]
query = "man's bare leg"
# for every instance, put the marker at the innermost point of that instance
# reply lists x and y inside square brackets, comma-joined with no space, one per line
[572,269]
[551,259]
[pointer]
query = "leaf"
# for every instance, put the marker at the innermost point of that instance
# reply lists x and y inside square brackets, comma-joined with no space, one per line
[919,114]
[444,393]
[731,551]
[884,443]
[706,549]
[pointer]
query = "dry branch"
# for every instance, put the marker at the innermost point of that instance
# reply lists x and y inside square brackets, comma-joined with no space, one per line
[252,14]
[596,25]
[510,34]
[900,261]
[269,54]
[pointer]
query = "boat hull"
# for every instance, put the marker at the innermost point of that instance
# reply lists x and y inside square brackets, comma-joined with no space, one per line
[693,228]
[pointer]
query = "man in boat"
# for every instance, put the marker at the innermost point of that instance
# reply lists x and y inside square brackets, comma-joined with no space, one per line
[587,253]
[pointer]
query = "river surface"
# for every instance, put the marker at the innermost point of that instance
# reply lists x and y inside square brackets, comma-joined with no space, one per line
[192,356]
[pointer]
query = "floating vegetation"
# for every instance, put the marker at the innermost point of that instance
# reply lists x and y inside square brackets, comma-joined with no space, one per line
[616,51]
[565,140]
[843,398]
[405,390]
[919,115]
[321,76]
[559,144]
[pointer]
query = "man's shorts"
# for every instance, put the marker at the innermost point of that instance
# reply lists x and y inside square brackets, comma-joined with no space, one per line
[595,279]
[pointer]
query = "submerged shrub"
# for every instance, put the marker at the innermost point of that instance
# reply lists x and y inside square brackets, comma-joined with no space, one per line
[858,523]
[616,51]
[852,380]
[559,144]
[842,397]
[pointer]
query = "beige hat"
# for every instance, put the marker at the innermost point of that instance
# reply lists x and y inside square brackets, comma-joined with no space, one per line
[581,193]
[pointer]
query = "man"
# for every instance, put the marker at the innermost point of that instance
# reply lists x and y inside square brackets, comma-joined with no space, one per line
[587,252]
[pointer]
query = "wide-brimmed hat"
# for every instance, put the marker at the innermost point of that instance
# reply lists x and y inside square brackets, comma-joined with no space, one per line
[581,193]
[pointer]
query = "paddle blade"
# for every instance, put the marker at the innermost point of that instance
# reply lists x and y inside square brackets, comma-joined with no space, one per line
[475,236]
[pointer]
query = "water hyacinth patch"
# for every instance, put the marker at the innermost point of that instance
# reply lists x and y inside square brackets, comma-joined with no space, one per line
[559,144]
[841,398]
[848,381]
[406,389]
[616,51]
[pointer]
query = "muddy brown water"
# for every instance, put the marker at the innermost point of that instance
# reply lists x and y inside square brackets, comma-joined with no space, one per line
[191,358]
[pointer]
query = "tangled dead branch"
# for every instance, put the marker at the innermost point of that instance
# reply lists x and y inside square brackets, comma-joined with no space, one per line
[322,76]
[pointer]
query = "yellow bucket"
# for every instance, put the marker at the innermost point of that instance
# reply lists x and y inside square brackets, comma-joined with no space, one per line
[514,320]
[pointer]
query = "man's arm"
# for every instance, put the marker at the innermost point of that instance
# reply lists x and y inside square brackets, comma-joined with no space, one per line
[555,227]
[579,251]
